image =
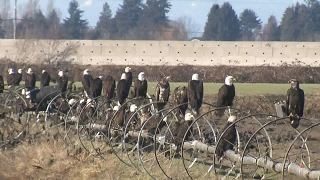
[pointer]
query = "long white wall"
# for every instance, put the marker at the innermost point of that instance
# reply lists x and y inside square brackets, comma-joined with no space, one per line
[204,53]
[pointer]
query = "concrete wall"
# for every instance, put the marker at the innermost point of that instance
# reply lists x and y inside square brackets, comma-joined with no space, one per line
[204,53]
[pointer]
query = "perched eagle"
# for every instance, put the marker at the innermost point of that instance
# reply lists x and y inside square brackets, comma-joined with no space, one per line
[30,80]
[151,122]
[19,77]
[195,93]
[121,89]
[96,87]
[163,92]
[45,79]
[141,86]
[119,118]
[1,84]
[128,73]
[62,81]
[228,139]
[181,97]
[86,79]
[295,103]
[226,94]
[11,77]
[182,130]
[109,86]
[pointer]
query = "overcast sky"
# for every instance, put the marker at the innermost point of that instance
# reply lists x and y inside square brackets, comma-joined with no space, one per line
[197,10]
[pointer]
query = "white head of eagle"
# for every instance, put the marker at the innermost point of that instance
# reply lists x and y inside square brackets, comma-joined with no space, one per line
[123,76]
[294,83]
[231,119]
[195,77]
[229,80]
[116,108]
[133,108]
[20,71]
[10,71]
[60,73]
[29,71]
[141,76]
[44,71]
[188,117]
[86,71]
[127,69]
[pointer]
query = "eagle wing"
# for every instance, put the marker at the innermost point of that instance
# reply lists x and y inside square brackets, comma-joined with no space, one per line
[200,91]
[121,90]
[86,80]
[158,91]
[222,95]
[167,93]
[288,102]
[302,102]
[190,92]
[135,88]
[145,86]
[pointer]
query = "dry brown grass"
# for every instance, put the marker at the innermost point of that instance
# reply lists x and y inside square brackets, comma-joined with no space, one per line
[54,160]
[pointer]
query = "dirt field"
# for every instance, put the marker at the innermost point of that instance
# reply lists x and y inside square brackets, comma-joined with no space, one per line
[40,157]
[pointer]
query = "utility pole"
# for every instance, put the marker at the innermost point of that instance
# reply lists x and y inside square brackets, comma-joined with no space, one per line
[15,19]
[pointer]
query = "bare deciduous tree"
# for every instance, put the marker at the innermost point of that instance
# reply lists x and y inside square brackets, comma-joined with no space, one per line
[191,27]
[6,14]
[50,52]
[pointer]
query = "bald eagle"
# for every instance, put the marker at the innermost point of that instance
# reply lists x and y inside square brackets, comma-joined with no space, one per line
[19,77]
[128,73]
[11,77]
[109,86]
[119,118]
[151,122]
[45,79]
[30,80]
[140,86]
[62,81]
[181,97]
[86,79]
[122,89]
[1,84]
[163,92]
[226,94]
[96,87]
[228,139]
[182,130]
[295,103]
[195,93]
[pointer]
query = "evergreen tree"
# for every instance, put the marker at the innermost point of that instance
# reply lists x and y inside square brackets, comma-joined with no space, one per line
[250,25]
[153,19]
[315,19]
[126,18]
[223,24]
[229,27]
[296,24]
[271,31]
[211,27]
[54,29]
[2,32]
[103,25]
[40,26]
[74,26]
[288,27]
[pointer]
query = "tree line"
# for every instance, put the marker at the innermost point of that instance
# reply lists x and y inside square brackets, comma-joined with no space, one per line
[136,20]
